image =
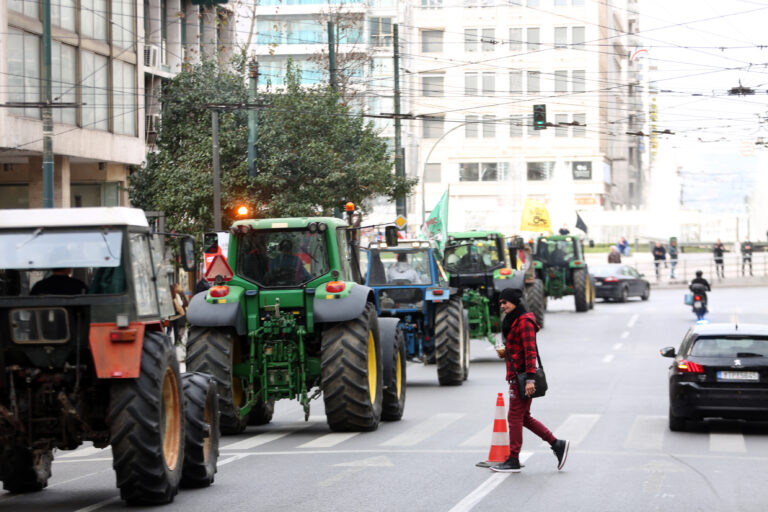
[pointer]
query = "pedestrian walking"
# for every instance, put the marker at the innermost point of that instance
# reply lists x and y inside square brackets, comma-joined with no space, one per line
[746,256]
[519,329]
[672,257]
[623,246]
[659,257]
[614,256]
[718,251]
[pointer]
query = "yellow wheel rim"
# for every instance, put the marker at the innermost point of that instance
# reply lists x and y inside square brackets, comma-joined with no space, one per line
[237,384]
[588,292]
[171,419]
[371,367]
[398,375]
[208,417]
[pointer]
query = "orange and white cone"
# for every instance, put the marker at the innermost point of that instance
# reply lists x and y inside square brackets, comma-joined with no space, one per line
[500,438]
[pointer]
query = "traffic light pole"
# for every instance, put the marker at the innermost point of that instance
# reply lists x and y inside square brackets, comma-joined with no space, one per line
[253,117]
[216,171]
[46,110]
[400,206]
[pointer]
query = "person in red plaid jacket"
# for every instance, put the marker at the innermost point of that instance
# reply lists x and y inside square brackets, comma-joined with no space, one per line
[519,329]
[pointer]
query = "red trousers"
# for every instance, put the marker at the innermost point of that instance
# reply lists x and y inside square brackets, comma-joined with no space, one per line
[519,416]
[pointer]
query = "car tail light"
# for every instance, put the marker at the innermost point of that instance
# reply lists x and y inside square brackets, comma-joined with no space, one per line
[437,292]
[335,286]
[611,280]
[697,297]
[219,291]
[505,271]
[685,366]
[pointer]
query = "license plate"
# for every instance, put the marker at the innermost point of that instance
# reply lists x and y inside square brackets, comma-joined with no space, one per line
[697,304]
[598,283]
[747,376]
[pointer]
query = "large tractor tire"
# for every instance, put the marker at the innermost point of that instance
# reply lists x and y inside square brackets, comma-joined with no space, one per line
[449,343]
[536,300]
[393,350]
[201,415]
[146,423]
[261,412]
[582,291]
[465,335]
[352,373]
[23,470]
[216,351]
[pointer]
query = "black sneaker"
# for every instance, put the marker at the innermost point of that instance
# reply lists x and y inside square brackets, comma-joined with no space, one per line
[560,448]
[509,466]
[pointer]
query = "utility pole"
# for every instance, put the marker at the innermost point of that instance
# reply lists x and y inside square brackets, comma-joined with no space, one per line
[216,171]
[253,118]
[46,110]
[332,57]
[399,157]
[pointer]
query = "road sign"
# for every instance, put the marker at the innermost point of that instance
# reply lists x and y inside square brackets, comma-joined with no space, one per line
[400,222]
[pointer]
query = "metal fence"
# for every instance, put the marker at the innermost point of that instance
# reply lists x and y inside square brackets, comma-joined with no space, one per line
[733,268]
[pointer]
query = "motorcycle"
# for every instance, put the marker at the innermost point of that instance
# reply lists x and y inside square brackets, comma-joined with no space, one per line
[697,300]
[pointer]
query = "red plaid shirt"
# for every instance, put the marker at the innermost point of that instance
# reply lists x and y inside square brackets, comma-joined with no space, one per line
[521,346]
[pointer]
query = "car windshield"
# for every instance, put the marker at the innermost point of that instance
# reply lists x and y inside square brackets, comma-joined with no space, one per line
[399,267]
[555,252]
[730,346]
[472,256]
[282,257]
[61,262]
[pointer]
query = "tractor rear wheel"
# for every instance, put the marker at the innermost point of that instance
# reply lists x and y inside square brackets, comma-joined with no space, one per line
[352,371]
[465,335]
[216,352]
[535,300]
[592,295]
[394,394]
[201,414]
[449,343]
[261,412]
[146,422]
[581,289]
[24,471]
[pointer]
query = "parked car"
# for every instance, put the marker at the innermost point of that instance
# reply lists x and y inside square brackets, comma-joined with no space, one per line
[619,282]
[720,371]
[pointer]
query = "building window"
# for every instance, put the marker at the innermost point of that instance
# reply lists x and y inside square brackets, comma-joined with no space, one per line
[489,84]
[381,31]
[23,71]
[489,127]
[432,4]
[534,82]
[582,170]
[515,39]
[577,36]
[561,37]
[383,68]
[561,128]
[533,39]
[578,79]
[432,127]
[123,98]
[471,127]
[63,87]
[516,125]
[483,171]
[581,130]
[470,40]
[532,3]
[432,85]
[94,194]
[63,14]
[470,84]
[14,196]
[29,8]
[380,105]
[431,41]
[561,81]
[432,173]
[516,82]
[561,3]
[122,23]
[489,39]
[95,95]
[540,171]
[532,132]
[469,172]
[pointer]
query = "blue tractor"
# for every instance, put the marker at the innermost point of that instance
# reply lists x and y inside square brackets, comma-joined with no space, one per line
[410,284]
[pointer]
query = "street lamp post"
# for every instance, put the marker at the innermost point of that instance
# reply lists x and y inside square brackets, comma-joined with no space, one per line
[424,170]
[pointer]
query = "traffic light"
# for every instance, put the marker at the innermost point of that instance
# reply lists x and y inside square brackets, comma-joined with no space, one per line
[539,117]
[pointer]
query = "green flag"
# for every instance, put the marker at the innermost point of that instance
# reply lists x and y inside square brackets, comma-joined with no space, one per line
[436,225]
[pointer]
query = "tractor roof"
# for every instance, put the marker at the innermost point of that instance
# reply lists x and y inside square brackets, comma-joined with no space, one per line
[475,235]
[290,222]
[72,217]
[555,238]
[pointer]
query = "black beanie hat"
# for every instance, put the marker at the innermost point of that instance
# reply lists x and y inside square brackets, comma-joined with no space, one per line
[513,295]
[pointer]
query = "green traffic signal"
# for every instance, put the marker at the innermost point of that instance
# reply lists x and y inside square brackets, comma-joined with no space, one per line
[539,117]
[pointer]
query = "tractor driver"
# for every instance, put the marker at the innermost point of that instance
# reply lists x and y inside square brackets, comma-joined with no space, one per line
[60,283]
[402,271]
[287,266]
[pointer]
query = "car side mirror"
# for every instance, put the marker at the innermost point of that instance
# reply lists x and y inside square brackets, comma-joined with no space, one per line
[187,249]
[390,235]
[668,352]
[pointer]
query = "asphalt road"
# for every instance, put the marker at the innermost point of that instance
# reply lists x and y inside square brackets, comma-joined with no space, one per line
[608,395]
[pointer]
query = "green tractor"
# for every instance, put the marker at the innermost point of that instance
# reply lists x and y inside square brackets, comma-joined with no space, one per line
[559,263]
[288,318]
[477,264]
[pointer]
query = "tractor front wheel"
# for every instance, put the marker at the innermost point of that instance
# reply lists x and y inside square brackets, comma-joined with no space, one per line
[23,470]
[394,393]
[582,291]
[201,414]
[352,372]
[449,341]
[465,337]
[146,422]
[261,412]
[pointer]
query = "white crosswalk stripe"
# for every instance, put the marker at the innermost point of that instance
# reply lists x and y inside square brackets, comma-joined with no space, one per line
[722,442]
[647,433]
[329,440]
[423,430]
[481,438]
[85,451]
[266,437]
[576,427]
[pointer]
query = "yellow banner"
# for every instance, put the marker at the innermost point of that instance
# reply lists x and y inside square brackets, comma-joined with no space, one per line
[535,217]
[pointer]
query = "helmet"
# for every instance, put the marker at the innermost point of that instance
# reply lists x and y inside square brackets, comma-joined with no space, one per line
[699,273]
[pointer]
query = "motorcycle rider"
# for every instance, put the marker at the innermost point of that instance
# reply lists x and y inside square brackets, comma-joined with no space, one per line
[700,286]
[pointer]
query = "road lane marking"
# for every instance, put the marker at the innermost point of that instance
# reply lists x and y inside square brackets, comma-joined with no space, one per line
[233,458]
[625,335]
[727,442]
[484,489]
[617,346]
[632,321]
[608,358]
[99,505]
[82,452]
[266,437]
[575,428]
[647,433]
[329,440]
[482,438]
[423,430]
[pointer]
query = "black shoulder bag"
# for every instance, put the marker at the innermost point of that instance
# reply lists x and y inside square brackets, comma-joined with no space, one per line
[540,380]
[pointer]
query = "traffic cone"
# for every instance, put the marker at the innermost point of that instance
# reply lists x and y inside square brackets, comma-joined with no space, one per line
[500,438]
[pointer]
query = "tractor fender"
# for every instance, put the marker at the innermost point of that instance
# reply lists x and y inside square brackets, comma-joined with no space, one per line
[203,314]
[517,280]
[387,330]
[344,308]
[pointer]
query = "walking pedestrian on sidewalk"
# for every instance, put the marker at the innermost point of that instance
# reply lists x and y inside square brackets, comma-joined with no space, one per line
[746,256]
[672,258]
[659,257]
[519,329]
[718,251]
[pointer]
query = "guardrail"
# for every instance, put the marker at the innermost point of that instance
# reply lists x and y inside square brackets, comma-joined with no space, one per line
[686,268]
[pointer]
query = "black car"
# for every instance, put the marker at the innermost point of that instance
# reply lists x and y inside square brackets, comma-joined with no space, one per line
[619,282]
[720,371]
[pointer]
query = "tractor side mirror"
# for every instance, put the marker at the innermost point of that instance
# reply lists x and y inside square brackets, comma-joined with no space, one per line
[187,253]
[390,235]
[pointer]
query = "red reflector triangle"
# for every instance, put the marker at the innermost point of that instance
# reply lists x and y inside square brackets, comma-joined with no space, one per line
[219,267]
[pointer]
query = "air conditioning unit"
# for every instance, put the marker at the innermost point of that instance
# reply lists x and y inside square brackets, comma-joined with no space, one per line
[152,124]
[151,56]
